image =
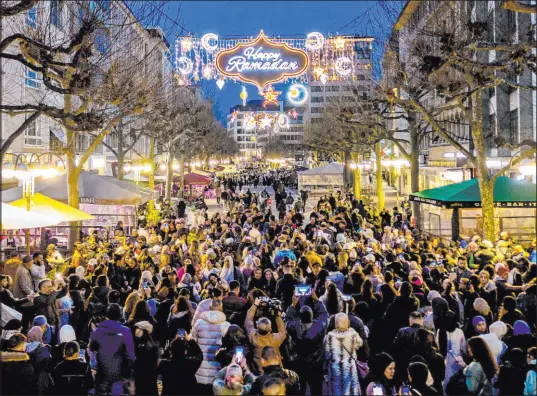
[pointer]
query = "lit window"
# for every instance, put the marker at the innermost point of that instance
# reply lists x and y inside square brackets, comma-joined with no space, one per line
[32,79]
[31,17]
[32,135]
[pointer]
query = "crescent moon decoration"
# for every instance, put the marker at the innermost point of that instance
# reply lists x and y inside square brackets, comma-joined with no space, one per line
[314,41]
[249,122]
[184,65]
[283,121]
[206,42]
[340,62]
[297,94]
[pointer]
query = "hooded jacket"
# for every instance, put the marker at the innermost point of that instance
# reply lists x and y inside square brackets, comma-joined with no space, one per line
[18,376]
[208,332]
[493,339]
[115,351]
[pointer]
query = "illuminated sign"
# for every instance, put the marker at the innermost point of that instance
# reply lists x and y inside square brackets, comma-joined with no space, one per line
[261,61]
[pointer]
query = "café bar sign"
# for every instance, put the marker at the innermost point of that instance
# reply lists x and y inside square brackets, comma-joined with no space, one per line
[262,61]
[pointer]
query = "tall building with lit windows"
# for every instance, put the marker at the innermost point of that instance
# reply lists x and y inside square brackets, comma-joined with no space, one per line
[322,90]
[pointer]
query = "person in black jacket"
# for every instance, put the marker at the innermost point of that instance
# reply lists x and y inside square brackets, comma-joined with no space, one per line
[285,288]
[73,375]
[233,338]
[272,368]
[18,376]
[186,358]
[6,296]
[306,336]
[145,365]
[98,299]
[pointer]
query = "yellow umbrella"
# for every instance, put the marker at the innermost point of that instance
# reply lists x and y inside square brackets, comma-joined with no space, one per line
[14,218]
[41,204]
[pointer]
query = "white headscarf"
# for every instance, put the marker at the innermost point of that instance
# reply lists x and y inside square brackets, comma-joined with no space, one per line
[80,271]
[67,334]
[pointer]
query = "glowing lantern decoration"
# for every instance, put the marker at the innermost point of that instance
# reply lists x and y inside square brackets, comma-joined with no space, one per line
[283,121]
[340,62]
[206,42]
[314,41]
[297,94]
[185,65]
[207,72]
[265,121]
[244,95]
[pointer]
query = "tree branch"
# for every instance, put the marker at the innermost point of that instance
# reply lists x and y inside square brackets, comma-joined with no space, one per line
[20,7]
[18,132]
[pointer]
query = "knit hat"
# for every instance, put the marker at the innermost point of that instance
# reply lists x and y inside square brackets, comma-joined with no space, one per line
[478,319]
[145,325]
[521,327]
[502,270]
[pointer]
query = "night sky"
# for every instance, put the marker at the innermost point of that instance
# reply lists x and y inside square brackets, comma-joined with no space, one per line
[285,18]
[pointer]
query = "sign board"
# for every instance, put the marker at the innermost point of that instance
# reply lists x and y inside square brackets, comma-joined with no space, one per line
[262,61]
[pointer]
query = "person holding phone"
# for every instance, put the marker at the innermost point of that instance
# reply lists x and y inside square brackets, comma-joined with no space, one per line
[73,375]
[380,377]
[182,356]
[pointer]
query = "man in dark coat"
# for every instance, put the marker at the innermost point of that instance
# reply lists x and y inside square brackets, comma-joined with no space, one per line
[45,302]
[285,288]
[233,304]
[306,338]
[72,376]
[18,376]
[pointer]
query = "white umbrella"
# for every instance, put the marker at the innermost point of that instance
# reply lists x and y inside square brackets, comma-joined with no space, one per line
[14,218]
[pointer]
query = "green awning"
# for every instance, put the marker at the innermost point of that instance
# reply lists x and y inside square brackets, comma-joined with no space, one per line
[507,193]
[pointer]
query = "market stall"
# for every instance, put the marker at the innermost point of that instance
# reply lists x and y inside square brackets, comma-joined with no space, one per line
[322,180]
[455,210]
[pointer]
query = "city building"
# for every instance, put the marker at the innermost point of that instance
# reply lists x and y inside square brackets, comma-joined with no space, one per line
[134,43]
[509,112]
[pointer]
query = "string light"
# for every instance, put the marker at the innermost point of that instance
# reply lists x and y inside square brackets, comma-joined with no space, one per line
[186,44]
[293,113]
[207,72]
[266,121]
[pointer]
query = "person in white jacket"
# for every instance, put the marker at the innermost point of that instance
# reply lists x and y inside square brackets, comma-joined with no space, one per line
[494,339]
[208,332]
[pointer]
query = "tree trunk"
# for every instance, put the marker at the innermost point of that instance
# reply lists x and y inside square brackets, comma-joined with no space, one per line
[380,190]
[357,183]
[182,171]
[347,175]
[169,177]
[151,175]
[73,172]
[120,165]
[415,169]
[486,185]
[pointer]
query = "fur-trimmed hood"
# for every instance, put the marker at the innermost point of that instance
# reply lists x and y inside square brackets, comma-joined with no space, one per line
[13,356]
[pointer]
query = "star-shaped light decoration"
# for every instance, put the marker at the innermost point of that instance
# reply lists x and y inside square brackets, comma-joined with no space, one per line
[339,43]
[266,121]
[270,96]
[318,71]
[293,113]
[186,44]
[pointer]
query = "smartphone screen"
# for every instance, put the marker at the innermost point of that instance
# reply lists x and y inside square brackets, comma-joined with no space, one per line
[82,355]
[302,291]
[144,284]
[239,351]
[405,390]
[181,333]
[377,391]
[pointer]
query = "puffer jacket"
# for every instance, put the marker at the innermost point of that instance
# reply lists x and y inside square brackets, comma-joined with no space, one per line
[208,332]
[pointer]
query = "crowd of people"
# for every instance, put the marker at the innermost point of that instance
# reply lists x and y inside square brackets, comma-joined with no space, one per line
[342,300]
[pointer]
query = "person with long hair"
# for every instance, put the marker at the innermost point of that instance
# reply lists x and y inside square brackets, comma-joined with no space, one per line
[180,317]
[184,357]
[140,313]
[270,282]
[332,299]
[145,365]
[483,368]
[130,303]
[451,343]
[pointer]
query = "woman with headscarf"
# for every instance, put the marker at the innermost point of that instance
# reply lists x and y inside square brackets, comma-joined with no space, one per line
[67,334]
[482,308]
[417,376]
[494,339]
[41,321]
[398,312]
[40,358]
[340,347]
[487,289]
[451,342]
[522,337]
[145,365]
[379,380]
[476,327]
